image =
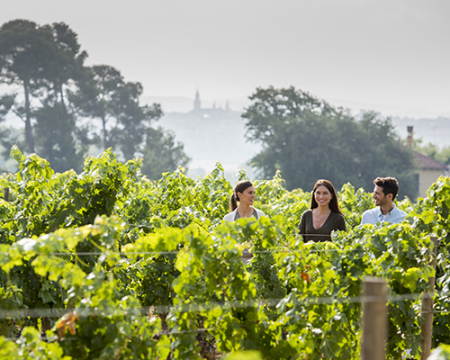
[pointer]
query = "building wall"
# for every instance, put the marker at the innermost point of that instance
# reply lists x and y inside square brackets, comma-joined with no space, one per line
[426,178]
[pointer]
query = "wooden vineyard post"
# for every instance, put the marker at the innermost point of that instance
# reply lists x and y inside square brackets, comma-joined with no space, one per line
[427,308]
[374,319]
[6,194]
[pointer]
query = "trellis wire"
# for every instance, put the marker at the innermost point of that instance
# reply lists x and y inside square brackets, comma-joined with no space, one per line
[109,311]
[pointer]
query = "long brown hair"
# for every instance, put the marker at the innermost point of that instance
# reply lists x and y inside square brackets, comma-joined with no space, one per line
[334,203]
[239,188]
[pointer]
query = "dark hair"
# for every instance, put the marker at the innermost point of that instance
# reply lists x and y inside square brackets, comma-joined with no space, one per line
[334,204]
[389,185]
[239,188]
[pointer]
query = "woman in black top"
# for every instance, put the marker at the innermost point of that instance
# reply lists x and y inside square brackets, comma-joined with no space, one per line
[324,215]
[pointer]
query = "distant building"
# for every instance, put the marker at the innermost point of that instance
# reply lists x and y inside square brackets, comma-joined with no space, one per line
[214,112]
[428,169]
[197,104]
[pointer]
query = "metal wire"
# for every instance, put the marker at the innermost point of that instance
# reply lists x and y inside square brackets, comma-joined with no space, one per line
[109,311]
[176,252]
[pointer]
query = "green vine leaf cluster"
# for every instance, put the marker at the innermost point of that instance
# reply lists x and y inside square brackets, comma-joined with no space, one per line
[109,264]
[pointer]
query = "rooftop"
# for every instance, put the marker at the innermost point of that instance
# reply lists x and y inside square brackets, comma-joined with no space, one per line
[427,163]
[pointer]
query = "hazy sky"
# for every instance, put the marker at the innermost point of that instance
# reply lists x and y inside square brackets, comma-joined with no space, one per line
[392,54]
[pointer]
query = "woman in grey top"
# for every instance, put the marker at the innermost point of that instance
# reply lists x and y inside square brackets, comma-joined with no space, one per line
[324,215]
[241,202]
[241,206]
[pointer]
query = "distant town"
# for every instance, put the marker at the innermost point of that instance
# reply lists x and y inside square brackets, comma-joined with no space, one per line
[214,131]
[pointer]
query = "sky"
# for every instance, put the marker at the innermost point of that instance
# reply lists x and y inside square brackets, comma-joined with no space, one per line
[389,56]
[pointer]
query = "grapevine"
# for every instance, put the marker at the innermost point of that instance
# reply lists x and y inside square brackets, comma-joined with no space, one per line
[108,264]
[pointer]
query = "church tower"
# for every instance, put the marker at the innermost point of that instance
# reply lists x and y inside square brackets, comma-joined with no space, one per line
[197,105]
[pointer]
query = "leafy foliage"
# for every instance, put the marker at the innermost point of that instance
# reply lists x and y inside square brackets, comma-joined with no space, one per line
[308,139]
[63,99]
[112,265]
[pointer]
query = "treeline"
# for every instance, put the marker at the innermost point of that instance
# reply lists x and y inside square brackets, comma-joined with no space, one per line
[66,107]
[308,139]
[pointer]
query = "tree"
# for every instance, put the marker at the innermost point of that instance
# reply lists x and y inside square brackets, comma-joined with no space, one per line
[6,103]
[23,49]
[105,96]
[308,139]
[64,64]
[58,136]
[126,124]
[55,137]
[46,61]
[95,98]
[161,153]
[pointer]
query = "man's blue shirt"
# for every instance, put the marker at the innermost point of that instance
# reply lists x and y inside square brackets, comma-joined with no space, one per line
[375,216]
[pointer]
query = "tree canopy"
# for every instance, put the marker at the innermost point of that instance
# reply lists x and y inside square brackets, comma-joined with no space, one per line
[23,49]
[61,100]
[308,139]
[104,95]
